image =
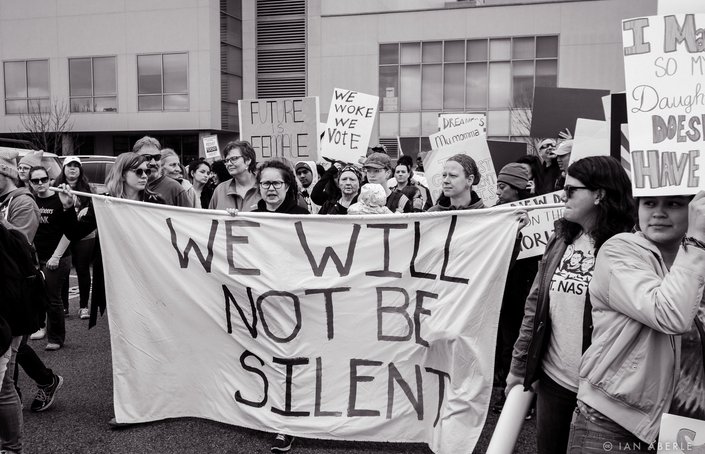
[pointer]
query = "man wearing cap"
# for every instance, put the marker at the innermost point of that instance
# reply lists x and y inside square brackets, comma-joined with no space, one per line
[512,183]
[378,169]
[170,190]
[563,157]
[307,173]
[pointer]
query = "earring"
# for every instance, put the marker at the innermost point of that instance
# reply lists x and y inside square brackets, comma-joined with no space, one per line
[597,202]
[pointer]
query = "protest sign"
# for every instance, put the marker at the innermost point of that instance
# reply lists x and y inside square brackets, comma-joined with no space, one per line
[592,138]
[557,109]
[664,70]
[449,120]
[505,152]
[680,6]
[535,235]
[463,139]
[680,435]
[350,121]
[210,145]
[281,326]
[285,127]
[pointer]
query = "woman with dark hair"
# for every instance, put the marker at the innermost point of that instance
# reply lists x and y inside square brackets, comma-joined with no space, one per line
[199,172]
[403,177]
[557,322]
[460,174]
[648,308]
[240,192]
[81,250]
[278,189]
[532,164]
[219,172]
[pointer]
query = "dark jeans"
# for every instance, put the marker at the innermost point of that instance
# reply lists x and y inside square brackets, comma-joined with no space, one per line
[82,258]
[602,436]
[56,325]
[32,365]
[554,410]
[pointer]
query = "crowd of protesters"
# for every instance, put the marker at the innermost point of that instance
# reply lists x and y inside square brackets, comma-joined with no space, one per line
[606,327]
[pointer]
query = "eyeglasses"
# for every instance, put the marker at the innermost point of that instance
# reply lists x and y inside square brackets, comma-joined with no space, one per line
[141,172]
[149,157]
[39,180]
[232,159]
[569,190]
[269,184]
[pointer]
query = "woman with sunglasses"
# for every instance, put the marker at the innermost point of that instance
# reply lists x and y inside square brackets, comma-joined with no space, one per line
[557,322]
[278,189]
[81,250]
[128,177]
[648,342]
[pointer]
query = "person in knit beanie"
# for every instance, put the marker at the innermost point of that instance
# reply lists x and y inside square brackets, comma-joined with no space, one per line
[512,183]
[31,159]
[8,163]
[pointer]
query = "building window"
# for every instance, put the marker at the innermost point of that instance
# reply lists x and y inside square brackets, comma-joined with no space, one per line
[162,81]
[26,86]
[92,84]
[495,76]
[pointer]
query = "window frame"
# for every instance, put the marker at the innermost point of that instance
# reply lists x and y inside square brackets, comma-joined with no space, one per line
[92,96]
[27,98]
[163,93]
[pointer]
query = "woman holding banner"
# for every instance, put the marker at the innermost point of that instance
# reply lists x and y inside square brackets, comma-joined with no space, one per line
[646,356]
[460,174]
[278,188]
[557,324]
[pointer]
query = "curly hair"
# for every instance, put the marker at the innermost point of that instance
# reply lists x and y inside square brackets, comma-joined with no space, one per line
[246,151]
[287,173]
[616,210]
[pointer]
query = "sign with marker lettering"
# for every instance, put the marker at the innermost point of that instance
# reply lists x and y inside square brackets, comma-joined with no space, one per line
[382,331]
[284,127]
[449,120]
[350,121]
[463,139]
[664,65]
[534,236]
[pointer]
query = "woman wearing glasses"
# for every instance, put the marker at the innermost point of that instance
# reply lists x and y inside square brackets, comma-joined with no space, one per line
[557,320]
[278,189]
[241,191]
[646,357]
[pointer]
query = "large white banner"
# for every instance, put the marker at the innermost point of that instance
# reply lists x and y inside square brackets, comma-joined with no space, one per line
[383,331]
[664,68]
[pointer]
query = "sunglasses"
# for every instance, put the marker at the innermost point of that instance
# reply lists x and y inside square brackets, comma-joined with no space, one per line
[569,190]
[39,180]
[149,157]
[141,172]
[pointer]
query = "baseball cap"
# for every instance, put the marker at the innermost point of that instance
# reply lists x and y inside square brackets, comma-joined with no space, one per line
[69,159]
[564,148]
[378,161]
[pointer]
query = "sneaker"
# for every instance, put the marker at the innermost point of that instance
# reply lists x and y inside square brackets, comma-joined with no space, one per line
[84,313]
[46,394]
[52,346]
[39,334]
[282,443]
[532,412]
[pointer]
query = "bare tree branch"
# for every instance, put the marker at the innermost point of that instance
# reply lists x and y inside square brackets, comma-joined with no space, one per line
[45,126]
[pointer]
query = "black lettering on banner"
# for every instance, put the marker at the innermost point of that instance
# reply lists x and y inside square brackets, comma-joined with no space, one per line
[385,272]
[229,297]
[256,371]
[354,380]
[328,253]
[231,240]
[297,314]
[289,363]
[417,244]
[328,295]
[420,295]
[637,27]
[190,244]
[446,254]
[401,310]
[416,402]
[319,385]
[441,389]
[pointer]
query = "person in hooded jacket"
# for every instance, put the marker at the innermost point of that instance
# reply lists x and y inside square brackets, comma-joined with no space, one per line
[460,174]
[307,173]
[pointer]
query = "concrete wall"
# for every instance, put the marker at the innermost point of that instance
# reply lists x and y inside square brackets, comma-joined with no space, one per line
[61,29]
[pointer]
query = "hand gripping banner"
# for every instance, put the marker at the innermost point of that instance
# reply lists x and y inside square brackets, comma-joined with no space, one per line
[377,328]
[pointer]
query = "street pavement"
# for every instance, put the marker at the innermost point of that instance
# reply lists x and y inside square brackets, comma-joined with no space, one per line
[78,422]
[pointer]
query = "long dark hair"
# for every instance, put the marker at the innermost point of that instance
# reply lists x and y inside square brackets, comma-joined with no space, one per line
[82,184]
[534,162]
[288,175]
[615,212]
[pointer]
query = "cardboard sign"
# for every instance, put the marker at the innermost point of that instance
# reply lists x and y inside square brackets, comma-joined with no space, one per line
[349,127]
[664,69]
[449,120]
[210,144]
[680,435]
[592,138]
[556,109]
[535,235]
[285,127]
[463,139]
[283,327]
